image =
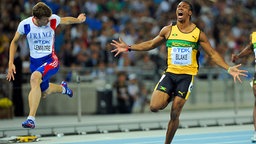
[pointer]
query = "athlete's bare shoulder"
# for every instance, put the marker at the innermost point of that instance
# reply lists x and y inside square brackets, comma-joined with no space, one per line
[168,26]
[166,30]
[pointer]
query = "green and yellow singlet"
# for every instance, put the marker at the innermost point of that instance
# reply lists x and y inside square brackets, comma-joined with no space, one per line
[182,51]
[253,40]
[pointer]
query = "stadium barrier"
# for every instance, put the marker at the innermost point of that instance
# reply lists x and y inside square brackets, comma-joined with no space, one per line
[213,89]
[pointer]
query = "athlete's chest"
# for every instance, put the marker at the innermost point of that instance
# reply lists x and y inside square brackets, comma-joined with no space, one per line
[40,33]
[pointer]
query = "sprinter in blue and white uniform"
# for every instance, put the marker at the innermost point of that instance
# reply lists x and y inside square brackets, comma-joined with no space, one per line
[39,30]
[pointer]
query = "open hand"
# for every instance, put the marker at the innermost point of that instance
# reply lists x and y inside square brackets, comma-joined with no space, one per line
[11,72]
[120,46]
[236,72]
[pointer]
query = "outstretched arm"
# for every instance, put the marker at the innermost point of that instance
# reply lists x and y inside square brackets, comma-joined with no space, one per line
[121,46]
[216,58]
[72,20]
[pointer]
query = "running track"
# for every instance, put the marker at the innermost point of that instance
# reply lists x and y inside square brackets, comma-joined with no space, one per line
[238,137]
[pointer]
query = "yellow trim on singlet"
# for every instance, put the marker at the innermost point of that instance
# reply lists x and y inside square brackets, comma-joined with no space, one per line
[253,35]
[182,51]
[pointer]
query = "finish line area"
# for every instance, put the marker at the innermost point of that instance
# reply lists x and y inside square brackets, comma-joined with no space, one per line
[198,127]
[153,137]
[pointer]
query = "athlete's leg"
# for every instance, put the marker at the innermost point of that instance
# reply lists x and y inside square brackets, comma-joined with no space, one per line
[173,124]
[35,93]
[253,138]
[159,100]
[160,97]
[254,108]
[47,88]
[53,88]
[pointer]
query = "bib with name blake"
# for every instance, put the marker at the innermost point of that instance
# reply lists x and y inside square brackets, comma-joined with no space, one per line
[182,51]
[181,55]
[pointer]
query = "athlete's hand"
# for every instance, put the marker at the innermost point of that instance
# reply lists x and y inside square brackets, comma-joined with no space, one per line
[120,46]
[234,58]
[11,72]
[236,72]
[82,17]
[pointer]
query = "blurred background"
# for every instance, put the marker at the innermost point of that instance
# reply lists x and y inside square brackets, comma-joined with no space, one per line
[96,76]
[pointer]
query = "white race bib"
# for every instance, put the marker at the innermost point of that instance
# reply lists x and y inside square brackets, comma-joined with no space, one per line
[181,55]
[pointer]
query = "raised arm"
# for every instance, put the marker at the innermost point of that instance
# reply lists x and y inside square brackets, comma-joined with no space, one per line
[216,58]
[121,46]
[72,20]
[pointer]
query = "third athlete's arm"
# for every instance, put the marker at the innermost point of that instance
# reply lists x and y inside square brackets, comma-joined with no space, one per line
[246,51]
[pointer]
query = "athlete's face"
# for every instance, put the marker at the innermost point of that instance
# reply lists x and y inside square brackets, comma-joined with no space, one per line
[183,11]
[42,21]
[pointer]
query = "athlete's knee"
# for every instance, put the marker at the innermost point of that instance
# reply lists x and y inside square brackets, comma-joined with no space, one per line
[35,78]
[155,108]
[159,101]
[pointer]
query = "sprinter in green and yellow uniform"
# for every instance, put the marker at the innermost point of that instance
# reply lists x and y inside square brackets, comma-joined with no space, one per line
[250,49]
[182,41]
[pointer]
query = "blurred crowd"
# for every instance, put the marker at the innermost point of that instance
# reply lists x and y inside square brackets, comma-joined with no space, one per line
[227,23]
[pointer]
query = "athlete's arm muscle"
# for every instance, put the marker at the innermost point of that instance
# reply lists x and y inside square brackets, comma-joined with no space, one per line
[13,46]
[72,20]
[153,43]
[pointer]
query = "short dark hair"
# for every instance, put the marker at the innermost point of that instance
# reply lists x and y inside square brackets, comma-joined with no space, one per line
[41,10]
[190,5]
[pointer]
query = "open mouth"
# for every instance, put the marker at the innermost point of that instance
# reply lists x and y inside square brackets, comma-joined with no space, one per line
[180,14]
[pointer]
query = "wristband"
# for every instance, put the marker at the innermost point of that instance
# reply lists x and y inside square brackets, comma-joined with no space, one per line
[228,69]
[129,48]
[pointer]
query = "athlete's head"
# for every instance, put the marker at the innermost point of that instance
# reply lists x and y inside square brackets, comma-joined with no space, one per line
[42,13]
[183,11]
